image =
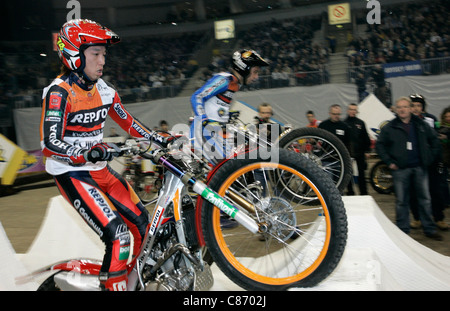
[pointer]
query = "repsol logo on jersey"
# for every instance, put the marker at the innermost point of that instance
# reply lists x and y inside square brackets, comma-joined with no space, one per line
[89,117]
[101,203]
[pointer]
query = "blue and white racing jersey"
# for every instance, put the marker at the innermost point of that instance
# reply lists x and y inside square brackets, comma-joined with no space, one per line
[213,100]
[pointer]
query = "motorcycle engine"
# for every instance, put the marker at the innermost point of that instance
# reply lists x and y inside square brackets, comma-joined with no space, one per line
[175,280]
[174,274]
[173,266]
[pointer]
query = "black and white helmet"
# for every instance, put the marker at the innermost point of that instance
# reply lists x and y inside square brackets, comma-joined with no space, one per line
[417,98]
[242,61]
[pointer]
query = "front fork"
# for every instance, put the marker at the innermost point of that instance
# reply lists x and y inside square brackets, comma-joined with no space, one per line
[212,197]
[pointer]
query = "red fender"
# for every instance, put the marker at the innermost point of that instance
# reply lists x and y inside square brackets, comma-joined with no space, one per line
[198,207]
[82,266]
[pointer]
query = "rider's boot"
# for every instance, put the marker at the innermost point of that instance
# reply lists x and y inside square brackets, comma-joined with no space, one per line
[113,281]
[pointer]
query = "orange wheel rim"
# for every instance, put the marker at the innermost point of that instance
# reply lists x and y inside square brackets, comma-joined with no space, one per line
[236,263]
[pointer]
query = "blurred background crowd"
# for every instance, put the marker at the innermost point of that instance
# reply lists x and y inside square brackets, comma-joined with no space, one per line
[150,67]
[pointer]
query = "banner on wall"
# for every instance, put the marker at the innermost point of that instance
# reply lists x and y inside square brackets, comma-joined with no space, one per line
[11,158]
[412,68]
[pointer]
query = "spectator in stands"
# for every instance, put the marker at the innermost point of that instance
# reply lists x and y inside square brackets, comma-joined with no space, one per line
[401,38]
[380,89]
[289,43]
[360,82]
[408,146]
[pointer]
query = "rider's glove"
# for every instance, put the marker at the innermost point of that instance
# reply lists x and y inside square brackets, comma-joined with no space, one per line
[102,152]
[234,114]
[162,140]
[204,119]
[215,124]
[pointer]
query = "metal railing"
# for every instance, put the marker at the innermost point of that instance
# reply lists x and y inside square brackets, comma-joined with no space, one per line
[430,66]
[131,95]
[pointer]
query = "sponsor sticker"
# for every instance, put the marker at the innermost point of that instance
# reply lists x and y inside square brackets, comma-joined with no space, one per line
[155,221]
[55,101]
[124,252]
[223,205]
[53,113]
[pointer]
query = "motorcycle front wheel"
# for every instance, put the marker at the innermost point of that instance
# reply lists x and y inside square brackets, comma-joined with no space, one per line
[302,243]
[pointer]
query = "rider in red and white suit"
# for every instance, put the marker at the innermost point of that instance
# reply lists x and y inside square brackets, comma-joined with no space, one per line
[75,106]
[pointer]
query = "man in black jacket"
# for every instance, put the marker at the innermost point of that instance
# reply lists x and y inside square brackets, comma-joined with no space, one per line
[408,145]
[359,146]
[336,126]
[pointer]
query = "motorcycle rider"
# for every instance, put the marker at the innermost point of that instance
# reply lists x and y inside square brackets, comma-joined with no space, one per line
[75,106]
[211,103]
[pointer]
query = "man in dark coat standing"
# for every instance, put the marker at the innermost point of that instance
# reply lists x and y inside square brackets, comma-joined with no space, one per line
[335,125]
[409,146]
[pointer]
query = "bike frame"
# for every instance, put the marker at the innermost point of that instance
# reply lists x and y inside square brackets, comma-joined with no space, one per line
[174,188]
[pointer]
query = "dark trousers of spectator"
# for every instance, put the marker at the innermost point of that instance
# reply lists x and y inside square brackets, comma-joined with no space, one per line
[407,181]
[362,166]
[445,189]
[437,178]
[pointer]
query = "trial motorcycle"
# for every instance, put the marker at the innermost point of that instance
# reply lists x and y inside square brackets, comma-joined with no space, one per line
[290,225]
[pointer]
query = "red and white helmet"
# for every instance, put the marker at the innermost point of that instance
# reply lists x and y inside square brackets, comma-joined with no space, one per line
[78,34]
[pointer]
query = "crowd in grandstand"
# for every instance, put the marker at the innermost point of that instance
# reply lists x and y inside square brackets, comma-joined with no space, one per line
[408,32]
[152,62]
[289,47]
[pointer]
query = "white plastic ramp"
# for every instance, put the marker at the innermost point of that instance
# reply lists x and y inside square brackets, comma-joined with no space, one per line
[11,267]
[63,235]
[412,265]
[378,256]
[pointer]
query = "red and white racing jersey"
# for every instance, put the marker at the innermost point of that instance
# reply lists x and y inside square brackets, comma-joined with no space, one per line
[72,121]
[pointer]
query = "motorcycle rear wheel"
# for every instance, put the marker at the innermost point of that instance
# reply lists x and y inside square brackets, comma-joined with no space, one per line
[381,178]
[323,148]
[303,243]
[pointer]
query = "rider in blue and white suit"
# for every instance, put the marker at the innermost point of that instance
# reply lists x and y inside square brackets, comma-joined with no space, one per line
[211,103]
